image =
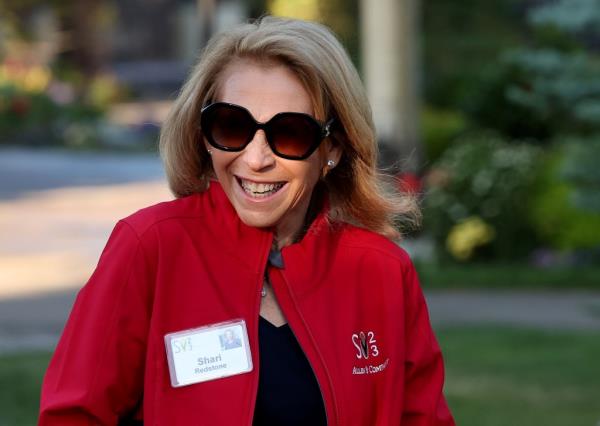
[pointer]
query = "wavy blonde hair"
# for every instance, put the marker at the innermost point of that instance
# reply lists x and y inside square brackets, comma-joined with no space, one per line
[357,191]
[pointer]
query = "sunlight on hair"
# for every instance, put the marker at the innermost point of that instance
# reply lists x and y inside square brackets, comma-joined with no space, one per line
[299,9]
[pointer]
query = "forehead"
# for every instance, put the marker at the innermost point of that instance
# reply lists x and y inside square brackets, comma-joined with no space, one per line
[263,88]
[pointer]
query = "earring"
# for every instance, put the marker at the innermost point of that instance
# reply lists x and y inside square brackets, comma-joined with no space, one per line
[330,163]
[209,151]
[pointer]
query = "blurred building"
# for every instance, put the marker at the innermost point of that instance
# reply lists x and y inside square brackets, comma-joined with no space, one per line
[155,41]
[150,45]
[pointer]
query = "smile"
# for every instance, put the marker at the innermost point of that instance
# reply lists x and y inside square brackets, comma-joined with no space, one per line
[260,189]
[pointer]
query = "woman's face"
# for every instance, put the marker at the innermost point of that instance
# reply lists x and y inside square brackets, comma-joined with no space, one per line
[267,190]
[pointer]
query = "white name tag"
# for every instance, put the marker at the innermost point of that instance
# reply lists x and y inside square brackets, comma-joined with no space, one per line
[207,353]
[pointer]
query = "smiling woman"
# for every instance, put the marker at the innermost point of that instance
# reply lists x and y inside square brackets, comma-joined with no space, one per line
[265,189]
[278,245]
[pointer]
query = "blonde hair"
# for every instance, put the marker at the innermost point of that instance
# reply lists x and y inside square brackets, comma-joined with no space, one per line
[356,190]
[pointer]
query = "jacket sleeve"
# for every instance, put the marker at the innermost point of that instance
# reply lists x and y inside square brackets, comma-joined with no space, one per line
[424,402]
[96,373]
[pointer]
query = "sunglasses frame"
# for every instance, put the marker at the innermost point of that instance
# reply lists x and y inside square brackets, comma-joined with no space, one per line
[324,130]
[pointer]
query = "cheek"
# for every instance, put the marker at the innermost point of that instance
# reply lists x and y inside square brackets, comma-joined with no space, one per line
[308,178]
[313,178]
[221,161]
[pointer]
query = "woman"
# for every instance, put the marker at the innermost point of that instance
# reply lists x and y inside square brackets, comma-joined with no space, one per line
[280,233]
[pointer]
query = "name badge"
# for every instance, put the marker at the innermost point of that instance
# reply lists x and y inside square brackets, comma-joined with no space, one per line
[208,353]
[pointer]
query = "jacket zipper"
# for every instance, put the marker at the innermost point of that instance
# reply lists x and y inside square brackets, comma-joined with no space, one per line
[334,405]
[256,367]
[316,378]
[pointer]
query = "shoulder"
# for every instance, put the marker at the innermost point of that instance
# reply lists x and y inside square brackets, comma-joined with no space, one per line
[373,246]
[200,205]
[177,209]
[375,262]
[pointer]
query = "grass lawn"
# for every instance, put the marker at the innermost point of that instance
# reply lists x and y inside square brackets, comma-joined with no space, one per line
[495,377]
[507,276]
[20,381]
[504,377]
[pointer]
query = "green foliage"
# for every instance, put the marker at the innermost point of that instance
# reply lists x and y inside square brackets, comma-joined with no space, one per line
[488,106]
[562,89]
[549,88]
[556,81]
[568,15]
[34,118]
[485,178]
[558,210]
[439,129]
[538,94]
[18,109]
[580,168]
[539,82]
[462,39]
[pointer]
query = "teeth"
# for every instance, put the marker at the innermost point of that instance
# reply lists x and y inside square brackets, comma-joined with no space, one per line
[260,190]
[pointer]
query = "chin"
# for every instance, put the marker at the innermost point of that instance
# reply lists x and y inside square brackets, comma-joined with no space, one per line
[256,220]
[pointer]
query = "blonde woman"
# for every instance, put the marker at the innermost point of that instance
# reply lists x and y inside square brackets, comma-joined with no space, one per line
[280,239]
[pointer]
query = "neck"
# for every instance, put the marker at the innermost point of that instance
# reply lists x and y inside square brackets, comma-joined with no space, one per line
[293,231]
[285,236]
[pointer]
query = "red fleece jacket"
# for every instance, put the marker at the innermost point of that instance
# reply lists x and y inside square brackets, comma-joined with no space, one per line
[350,296]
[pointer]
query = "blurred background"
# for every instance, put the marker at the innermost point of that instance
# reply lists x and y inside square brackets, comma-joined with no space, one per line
[490,111]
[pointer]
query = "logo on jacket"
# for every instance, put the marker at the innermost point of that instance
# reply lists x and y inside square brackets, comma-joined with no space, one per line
[365,344]
[366,347]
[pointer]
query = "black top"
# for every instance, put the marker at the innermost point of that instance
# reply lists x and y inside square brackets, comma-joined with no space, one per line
[288,391]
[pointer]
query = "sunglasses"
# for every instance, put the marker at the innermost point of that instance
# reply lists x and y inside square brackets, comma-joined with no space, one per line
[291,135]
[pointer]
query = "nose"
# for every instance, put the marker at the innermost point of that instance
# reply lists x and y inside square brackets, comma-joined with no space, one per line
[258,154]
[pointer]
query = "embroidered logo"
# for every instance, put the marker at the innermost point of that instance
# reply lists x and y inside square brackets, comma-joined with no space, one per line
[365,344]
[367,347]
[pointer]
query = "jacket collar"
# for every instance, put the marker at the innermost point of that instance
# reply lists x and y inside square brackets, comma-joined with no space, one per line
[240,244]
[304,262]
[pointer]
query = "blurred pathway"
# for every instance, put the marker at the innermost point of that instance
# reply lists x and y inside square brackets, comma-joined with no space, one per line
[58,208]
[36,321]
[551,310]
[23,171]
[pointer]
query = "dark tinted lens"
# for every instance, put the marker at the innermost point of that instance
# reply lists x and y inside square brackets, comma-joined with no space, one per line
[229,126]
[294,135]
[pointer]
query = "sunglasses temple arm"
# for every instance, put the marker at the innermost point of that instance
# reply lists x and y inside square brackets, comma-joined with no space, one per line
[327,128]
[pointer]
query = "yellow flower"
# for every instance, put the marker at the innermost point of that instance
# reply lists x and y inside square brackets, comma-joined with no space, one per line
[103,90]
[466,236]
[301,9]
[30,79]
[36,79]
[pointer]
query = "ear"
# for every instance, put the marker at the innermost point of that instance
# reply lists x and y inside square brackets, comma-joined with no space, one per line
[331,152]
[330,157]
[207,146]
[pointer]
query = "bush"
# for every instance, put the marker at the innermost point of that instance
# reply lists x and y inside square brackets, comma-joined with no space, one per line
[564,209]
[547,87]
[44,106]
[20,110]
[440,129]
[478,196]
[35,118]
[580,169]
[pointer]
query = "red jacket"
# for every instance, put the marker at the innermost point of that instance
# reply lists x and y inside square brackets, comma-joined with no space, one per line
[191,262]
